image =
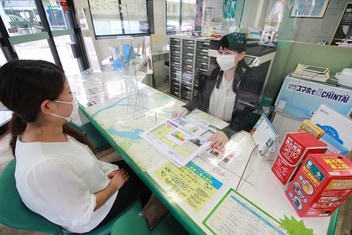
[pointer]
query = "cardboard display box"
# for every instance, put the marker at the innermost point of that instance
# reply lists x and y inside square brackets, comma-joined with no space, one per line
[321,185]
[293,150]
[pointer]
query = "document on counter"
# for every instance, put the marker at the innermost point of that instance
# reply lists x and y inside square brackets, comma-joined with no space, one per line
[190,184]
[179,140]
[234,214]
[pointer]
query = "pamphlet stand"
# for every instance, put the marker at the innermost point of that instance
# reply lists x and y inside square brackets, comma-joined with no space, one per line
[135,98]
[238,156]
[249,166]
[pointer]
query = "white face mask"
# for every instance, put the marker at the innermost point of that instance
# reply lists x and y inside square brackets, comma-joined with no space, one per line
[74,112]
[226,62]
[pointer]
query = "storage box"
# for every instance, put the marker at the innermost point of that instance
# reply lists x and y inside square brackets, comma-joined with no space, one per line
[333,145]
[292,152]
[311,128]
[334,123]
[321,184]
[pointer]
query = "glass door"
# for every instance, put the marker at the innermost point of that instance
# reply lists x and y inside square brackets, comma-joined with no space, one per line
[41,29]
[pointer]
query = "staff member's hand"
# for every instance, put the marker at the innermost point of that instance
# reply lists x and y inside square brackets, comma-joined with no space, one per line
[181,112]
[218,138]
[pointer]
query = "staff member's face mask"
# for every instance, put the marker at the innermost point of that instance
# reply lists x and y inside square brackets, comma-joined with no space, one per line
[226,61]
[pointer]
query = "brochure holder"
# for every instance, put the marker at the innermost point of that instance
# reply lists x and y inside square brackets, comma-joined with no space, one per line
[249,166]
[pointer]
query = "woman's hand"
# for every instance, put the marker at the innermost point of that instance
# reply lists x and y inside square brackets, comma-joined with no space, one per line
[181,112]
[218,138]
[118,178]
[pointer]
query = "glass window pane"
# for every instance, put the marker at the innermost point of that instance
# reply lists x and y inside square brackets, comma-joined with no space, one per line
[66,49]
[56,16]
[20,17]
[135,19]
[172,16]
[181,15]
[34,50]
[110,18]
[2,58]
[189,8]
[106,17]
[39,50]
[5,115]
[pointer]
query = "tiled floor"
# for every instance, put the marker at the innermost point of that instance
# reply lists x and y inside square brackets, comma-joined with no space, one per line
[344,224]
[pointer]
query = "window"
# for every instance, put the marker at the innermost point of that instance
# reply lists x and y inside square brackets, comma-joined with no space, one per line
[20,19]
[185,16]
[2,60]
[41,29]
[180,16]
[121,17]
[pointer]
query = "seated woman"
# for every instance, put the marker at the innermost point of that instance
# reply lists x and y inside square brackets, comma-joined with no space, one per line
[57,174]
[232,90]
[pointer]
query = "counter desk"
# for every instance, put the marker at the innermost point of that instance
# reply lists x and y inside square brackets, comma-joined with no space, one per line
[205,198]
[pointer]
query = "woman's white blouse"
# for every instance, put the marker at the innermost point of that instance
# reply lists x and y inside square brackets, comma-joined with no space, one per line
[222,100]
[58,180]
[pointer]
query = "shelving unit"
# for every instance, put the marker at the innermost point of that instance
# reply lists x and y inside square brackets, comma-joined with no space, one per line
[344,29]
[188,59]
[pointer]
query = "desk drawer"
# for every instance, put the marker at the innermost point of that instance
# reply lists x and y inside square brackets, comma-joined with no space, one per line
[175,41]
[188,43]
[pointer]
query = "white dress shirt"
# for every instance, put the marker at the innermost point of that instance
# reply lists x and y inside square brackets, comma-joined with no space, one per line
[222,100]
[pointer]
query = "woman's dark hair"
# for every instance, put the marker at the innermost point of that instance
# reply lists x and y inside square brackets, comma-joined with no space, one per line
[24,85]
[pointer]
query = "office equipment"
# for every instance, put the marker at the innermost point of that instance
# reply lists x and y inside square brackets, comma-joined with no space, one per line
[344,78]
[311,72]
[291,106]
[315,69]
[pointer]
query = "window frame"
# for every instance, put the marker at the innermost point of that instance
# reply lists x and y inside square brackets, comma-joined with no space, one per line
[150,21]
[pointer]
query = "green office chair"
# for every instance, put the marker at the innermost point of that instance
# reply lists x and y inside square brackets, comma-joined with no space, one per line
[15,214]
[132,223]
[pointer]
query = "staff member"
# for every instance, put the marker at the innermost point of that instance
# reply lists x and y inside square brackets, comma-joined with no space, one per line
[232,90]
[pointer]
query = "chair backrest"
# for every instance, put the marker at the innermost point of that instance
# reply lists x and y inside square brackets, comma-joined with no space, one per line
[13,212]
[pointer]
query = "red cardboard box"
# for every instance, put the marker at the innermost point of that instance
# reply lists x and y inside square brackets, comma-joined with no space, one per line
[292,152]
[321,184]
